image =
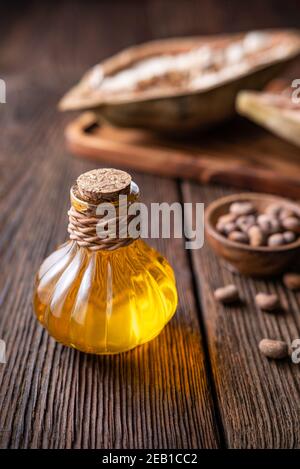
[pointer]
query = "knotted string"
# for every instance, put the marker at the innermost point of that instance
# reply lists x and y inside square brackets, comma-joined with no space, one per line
[83,229]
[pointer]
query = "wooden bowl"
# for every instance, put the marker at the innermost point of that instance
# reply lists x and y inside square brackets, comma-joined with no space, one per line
[258,262]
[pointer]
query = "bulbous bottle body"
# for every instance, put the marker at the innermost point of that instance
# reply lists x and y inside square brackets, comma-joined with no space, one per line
[105,302]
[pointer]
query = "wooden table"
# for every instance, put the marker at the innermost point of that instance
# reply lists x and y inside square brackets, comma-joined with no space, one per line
[202,383]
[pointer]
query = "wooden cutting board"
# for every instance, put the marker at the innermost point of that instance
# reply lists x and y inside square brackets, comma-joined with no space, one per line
[239,153]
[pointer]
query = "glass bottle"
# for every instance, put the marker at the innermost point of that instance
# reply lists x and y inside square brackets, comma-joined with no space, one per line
[103,300]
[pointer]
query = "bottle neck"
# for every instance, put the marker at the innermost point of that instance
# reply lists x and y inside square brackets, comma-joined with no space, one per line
[104,226]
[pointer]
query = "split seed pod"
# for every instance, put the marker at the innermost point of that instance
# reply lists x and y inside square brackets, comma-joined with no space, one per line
[184,84]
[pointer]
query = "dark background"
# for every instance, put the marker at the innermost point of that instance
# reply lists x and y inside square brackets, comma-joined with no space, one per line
[121,23]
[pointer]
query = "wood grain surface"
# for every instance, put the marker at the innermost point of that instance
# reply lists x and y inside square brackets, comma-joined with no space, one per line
[239,153]
[258,398]
[202,382]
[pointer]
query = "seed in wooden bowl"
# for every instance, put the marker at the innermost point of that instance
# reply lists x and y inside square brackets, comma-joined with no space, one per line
[289,237]
[268,302]
[256,236]
[226,228]
[268,224]
[292,281]
[276,239]
[227,218]
[229,227]
[238,237]
[242,208]
[244,222]
[275,226]
[228,294]
[291,224]
[273,209]
[276,349]
[286,213]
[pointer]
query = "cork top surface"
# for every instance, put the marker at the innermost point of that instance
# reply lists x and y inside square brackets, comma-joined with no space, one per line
[103,184]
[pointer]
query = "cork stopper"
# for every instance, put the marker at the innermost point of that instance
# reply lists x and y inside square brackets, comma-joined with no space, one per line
[103,184]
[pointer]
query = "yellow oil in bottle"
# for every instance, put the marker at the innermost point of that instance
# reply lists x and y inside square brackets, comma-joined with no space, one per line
[104,302]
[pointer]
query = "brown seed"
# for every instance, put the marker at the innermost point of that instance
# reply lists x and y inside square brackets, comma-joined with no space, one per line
[227,218]
[244,222]
[227,294]
[238,237]
[291,224]
[276,349]
[286,213]
[292,281]
[229,227]
[273,209]
[242,208]
[226,228]
[289,237]
[220,227]
[276,239]
[268,224]
[267,302]
[256,236]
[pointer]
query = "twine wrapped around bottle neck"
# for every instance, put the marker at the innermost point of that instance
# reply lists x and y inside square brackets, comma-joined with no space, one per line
[94,188]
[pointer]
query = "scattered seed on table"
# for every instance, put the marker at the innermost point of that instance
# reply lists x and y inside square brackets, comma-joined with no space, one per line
[276,349]
[267,302]
[292,281]
[227,294]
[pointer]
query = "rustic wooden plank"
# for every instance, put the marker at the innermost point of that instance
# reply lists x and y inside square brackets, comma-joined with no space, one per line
[157,396]
[258,398]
